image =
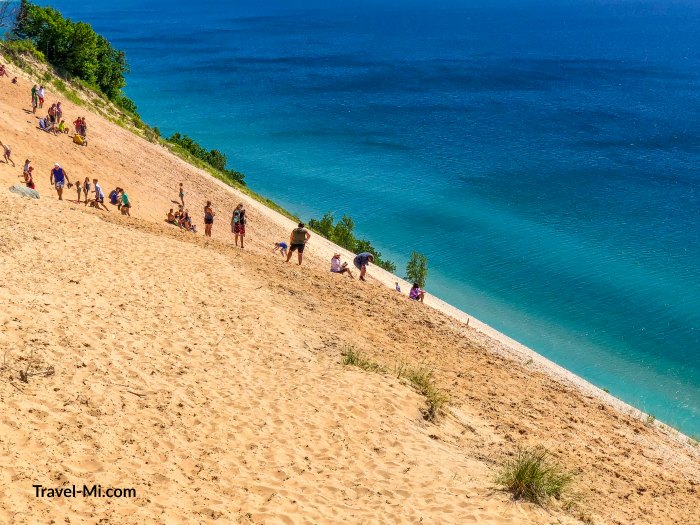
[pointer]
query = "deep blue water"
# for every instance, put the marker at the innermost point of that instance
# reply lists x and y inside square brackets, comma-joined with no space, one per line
[544,157]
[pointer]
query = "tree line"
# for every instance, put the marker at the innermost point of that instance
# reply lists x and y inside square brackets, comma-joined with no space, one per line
[341,233]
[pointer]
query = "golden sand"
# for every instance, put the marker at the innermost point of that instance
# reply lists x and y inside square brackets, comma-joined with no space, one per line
[209,378]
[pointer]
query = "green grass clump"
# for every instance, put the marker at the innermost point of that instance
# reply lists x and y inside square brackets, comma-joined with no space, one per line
[354,358]
[532,476]
[423,381]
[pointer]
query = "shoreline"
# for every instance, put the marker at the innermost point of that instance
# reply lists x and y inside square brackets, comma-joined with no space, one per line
[506,346]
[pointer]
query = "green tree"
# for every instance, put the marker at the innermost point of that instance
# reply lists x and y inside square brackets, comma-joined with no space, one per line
[74,49]
[342,233]
[324,227]
[417,269]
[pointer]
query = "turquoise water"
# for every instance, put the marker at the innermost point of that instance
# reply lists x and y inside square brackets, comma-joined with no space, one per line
[544,158]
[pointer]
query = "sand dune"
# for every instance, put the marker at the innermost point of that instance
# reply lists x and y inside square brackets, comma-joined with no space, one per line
[209,378]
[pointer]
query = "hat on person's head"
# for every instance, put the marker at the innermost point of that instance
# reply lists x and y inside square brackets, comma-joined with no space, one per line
[57,164]
[336,255]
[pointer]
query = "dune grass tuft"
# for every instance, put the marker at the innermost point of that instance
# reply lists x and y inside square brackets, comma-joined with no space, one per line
[532,476]
[423,381]
[353,358]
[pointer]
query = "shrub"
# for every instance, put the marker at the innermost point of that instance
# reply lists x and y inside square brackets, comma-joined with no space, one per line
[353,358]
[213,158]
[417,269]
[423,381]
[531,476]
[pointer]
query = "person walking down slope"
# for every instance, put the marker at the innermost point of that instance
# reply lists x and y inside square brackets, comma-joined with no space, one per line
[297,242]
[7,153]
[361,261]
[182,194]
[58,179]
[238,222]
[208,219]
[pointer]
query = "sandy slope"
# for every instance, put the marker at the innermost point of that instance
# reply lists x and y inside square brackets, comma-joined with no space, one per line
[209,379]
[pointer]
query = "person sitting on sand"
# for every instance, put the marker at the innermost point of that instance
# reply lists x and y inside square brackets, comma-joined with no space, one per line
[208,219]
[361,262]
[416,293]
[114,197]
[58,179]
[52,113]
[171,217]
[297,242]
[282,247]
[62,127]
[125,204]
[338,267]
[7,153]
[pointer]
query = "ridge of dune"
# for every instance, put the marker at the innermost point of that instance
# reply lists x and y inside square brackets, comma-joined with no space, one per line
[209,377]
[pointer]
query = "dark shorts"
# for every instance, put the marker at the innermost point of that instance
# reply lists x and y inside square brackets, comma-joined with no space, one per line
[239,229]
[208,221]
[357,264]
[295,247]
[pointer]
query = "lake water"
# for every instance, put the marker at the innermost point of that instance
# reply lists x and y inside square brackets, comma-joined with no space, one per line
[544,157]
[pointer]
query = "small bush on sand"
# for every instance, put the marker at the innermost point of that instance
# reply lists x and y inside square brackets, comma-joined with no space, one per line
[353,358]
[423,381]
[532,476]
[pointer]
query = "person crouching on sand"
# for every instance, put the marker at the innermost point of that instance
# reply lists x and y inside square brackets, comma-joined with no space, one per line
[361,261]
[297,242]
[338,267]
[282,247]
[416,293]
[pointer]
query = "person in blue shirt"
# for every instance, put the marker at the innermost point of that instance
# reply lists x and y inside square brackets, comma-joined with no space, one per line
[361,261]
[59,178]
[282,247]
